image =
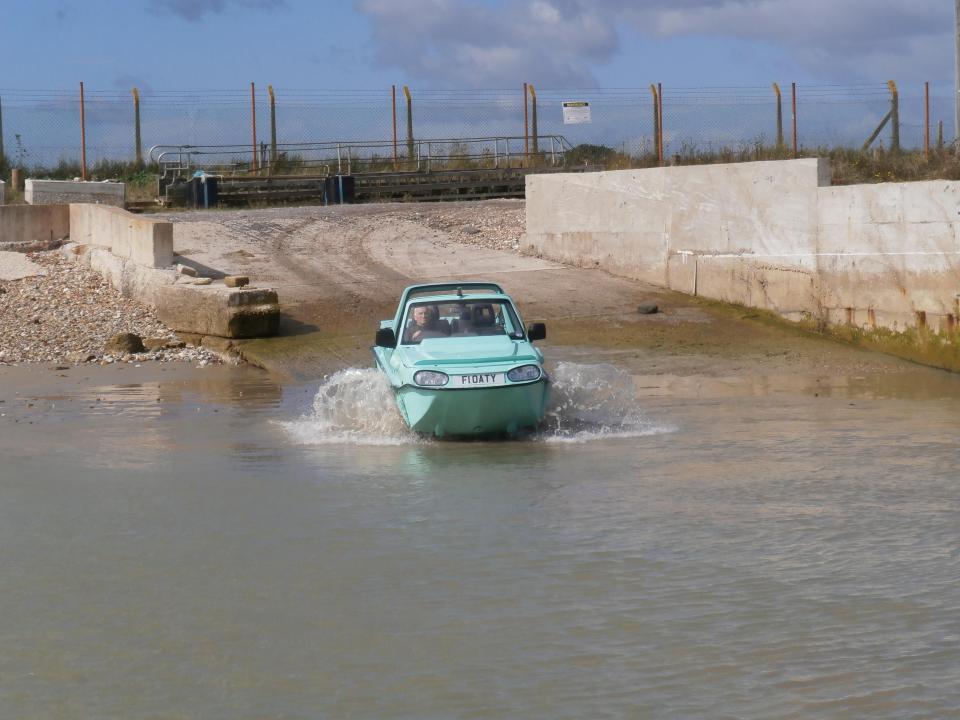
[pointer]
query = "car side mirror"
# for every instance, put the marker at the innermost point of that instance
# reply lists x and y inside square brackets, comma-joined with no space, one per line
[536,331]
[386,338]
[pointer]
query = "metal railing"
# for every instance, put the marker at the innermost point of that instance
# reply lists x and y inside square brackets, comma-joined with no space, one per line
[355,157]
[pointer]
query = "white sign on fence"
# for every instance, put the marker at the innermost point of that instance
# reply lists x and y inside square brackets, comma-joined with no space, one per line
[576,112]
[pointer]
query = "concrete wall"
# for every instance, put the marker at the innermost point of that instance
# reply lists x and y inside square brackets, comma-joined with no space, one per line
[23,227]
[146,242]
[772,235]
[54,192]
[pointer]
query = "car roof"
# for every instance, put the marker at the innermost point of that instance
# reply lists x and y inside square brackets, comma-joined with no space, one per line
[446,291]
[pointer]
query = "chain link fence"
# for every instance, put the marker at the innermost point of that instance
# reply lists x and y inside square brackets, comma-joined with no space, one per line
[41,129]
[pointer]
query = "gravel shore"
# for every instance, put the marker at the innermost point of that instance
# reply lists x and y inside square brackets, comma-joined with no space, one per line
[66,316]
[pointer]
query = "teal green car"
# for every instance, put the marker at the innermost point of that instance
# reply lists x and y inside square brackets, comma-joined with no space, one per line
[461,362]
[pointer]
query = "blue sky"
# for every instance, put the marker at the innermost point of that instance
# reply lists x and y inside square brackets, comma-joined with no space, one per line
[443,44]
[333,63]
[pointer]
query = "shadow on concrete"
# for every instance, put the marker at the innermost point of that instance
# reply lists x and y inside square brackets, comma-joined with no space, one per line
[202,270]
[290,326]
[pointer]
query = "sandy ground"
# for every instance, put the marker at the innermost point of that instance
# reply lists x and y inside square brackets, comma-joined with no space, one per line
[340,269]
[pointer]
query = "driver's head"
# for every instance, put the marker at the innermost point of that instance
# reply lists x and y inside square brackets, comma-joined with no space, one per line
[422,315]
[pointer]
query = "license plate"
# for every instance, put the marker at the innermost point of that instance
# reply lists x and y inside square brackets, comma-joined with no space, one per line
[480,380]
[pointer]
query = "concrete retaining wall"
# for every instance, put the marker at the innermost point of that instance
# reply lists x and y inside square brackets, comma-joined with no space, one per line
[25,228]
[56,192]
[146,242]
[771,235]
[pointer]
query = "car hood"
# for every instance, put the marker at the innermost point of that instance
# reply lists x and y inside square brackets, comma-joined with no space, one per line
[468,351]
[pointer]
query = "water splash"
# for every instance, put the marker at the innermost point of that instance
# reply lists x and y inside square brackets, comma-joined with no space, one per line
[353,406]
[588,402]
[594,402]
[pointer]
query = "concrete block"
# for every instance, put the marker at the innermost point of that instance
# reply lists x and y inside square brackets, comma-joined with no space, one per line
[236,280]
[220,311]
[57,192]
[25,228]
[147,242]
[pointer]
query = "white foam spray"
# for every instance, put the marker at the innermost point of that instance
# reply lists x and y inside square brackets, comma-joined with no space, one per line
[588,402]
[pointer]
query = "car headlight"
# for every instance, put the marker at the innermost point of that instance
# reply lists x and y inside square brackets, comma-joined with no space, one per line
[524,373]
[430,378]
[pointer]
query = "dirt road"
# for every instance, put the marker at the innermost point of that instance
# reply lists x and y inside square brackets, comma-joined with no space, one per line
[340,269]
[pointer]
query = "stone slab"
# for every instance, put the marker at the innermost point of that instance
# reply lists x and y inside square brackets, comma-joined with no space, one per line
[145,241]
[25,228]
[16,266]
[57,192]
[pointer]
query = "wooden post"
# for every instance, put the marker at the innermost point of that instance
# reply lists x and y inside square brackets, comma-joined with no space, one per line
[526,130]
[253,126]
[776,89]
[137,147]
[393,101]
[793,106]
[894,116]
[533,121]
[83,137]
[926,121]
[656,121]
[660,123]
[273,127]
[3,158]
[940,135]
[406,92]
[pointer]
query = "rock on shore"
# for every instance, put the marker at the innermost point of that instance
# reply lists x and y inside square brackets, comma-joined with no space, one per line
[68,314]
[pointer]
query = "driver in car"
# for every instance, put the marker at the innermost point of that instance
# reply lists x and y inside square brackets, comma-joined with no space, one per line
[426,323]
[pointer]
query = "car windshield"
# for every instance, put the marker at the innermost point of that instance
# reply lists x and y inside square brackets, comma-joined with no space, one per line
[458,319]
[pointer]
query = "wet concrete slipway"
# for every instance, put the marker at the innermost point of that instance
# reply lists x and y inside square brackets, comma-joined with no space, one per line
[720,519]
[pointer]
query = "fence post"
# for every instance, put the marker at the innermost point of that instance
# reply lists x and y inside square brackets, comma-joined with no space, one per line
[406,92]
[656,121]
[940,135]
[526,126]
[894,116]
[393,100]
[660,121]
[253,126]
[137,147]
[273,127]
[776,89]
[926,121]
[83,136]
[533,122]
[793,110]
[3,157]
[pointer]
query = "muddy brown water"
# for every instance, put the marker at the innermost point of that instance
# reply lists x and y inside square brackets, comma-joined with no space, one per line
[183,543]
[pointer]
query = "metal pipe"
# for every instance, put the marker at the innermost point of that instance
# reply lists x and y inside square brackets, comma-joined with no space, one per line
[776,89]
[83,137]
[253,125]
[273,127]
[2,156]
[393,100]
[138,150]
[894,116]
[660,116]
[926,121]
[406,92]
[526,130]
[793,106]
[656,120]
[533,118]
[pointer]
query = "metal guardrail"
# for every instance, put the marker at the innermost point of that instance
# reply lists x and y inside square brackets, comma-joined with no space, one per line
[353,157]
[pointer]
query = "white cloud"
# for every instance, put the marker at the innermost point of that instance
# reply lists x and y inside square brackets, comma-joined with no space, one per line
[194,10]
[563,42]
